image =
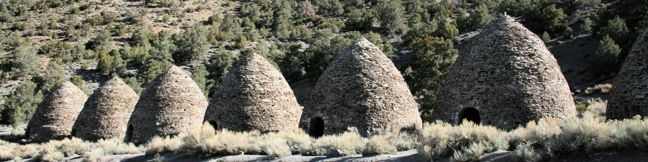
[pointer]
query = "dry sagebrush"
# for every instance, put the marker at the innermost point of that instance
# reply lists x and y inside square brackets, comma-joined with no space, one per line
[538,140]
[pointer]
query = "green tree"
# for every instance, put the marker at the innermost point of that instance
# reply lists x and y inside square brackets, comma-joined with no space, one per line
[606,59]
[480,18]
[21,104]
[329,7]
[162,47]
[282,22]
[433,58]
[617,29]
[358,19]
[230,28]
[110,63]
[191,45]
[54,75]
[391,15]
[151,69]
[447,28]
[324,46]
[217,68]
[553,18]
[199,75]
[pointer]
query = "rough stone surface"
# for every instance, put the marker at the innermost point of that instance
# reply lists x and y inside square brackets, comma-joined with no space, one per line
[254,96]
[171,104]
[55,116]
[629,97]
[506,78]
[106,113]
[361,88]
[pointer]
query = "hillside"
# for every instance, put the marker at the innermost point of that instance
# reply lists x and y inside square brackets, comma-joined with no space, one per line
[87,42]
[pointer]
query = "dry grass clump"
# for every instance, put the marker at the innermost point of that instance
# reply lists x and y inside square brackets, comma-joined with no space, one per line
[550,137]
[56,150]
[389,142]
[208,142]
[465,142]
[347,143]
[110,147]
[539,140]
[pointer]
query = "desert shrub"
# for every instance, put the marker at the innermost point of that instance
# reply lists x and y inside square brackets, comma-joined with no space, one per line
[207,142]
[379,144]
[141,37]
[538,140]
[110,62]
[164,145]
[23,61]
[545,37]
[134,84]
[101,42]
[298,141]
[550,136]
[158,3]
[57,49]
[347,143]
[581,107]
[465,142]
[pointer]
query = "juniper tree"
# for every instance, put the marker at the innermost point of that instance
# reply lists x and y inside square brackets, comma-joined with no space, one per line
[391,16]
[616,29]
[191,45]
[21,104]
[606,58]
[433,57]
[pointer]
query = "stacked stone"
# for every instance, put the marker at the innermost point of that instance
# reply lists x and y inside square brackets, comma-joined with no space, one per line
[171,104]
[506,78]
[361,88]
[106,113]
[630,94]
[57,113]
[254,96]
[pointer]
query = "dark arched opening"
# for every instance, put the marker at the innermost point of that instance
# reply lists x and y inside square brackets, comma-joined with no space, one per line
[213,124]
[316,128]
[73,133]
[470,114]
[129,134]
